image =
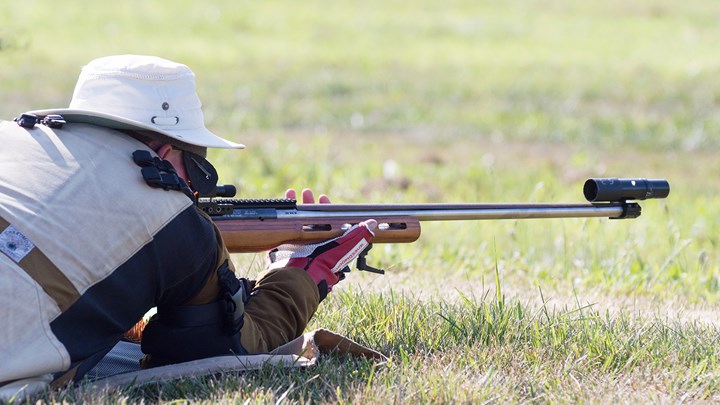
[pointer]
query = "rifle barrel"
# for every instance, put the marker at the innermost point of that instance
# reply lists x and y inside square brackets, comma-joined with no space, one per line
[449,212]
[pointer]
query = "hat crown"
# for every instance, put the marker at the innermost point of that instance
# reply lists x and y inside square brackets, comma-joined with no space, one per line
[139,67]
[147,89]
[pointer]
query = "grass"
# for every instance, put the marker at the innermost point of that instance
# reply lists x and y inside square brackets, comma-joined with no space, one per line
[447,102]
[476,350]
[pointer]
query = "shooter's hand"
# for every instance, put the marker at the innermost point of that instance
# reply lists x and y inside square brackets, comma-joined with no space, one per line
[307,196]
[325,261]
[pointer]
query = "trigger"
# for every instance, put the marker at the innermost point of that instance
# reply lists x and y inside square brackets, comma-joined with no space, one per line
[362,262]
[341,273]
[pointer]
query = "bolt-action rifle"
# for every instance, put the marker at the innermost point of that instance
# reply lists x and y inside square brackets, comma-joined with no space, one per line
[257,225]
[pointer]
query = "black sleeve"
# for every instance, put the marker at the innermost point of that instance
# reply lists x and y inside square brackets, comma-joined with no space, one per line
[167,271]
[187,260]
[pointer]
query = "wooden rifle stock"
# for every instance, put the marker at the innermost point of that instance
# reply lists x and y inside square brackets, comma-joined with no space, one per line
[242,236]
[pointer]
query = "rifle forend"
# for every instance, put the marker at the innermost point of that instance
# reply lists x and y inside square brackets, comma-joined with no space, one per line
[257,225]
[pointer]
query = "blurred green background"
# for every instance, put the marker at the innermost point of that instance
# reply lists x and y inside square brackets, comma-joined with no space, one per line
[610,73]
[429,101]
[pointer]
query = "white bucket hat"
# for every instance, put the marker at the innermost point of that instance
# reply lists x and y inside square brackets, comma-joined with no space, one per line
[141,93]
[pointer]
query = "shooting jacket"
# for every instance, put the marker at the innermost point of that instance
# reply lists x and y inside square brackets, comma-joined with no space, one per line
[87,248]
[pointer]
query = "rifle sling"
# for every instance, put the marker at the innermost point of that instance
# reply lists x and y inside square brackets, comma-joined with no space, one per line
[33,261]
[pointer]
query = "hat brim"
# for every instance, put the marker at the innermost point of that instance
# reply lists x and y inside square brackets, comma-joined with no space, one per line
[198,137]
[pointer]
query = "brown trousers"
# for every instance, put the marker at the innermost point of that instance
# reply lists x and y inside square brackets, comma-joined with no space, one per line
[282,304]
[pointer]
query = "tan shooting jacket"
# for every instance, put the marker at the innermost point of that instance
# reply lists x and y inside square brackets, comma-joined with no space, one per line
[78,225]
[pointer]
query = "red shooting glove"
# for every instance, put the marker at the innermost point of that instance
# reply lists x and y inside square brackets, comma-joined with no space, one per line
[323,261]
